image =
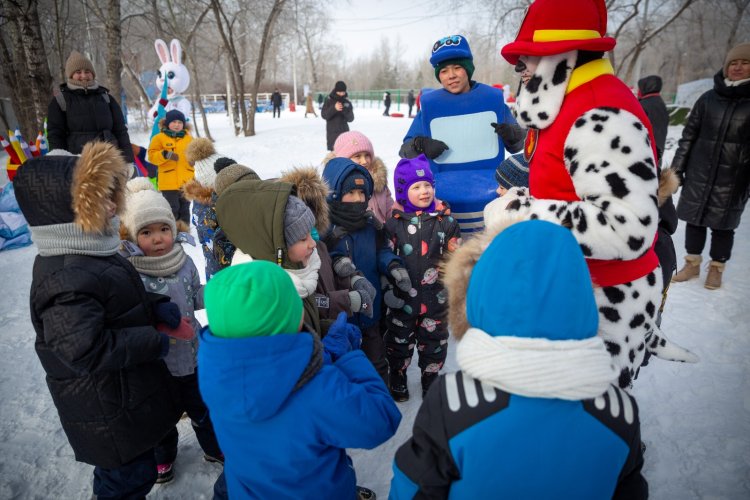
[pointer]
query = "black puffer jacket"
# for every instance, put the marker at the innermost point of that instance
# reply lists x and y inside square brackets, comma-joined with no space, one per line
[337,122]
[88,116]
[656,111]
[713,158]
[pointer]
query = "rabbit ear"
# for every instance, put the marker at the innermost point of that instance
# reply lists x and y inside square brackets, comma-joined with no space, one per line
[161,50]
[176,51]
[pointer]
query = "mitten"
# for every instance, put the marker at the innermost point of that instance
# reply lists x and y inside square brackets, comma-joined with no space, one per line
[167,313]
[170,155]
[361,302]
[400,276]
[509,133]
[360,283]
[184,330]
[336,343]
[391,300]
[344,267]
[432,148]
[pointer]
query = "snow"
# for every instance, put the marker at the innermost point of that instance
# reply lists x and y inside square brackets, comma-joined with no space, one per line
[695,419]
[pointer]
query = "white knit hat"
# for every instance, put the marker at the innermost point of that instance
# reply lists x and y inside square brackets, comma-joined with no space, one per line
[201,154]
[144,205]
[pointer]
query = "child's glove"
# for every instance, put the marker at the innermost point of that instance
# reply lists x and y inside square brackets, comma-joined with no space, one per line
[391,300]
[400,276]
[432,148]
[167,313]
[511,134]
[344,267]
[336,343]
[361,302]
[170,155]
[360,283]
[184,330]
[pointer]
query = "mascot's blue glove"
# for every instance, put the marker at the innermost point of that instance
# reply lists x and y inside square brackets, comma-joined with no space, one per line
[167,313]
[337,342]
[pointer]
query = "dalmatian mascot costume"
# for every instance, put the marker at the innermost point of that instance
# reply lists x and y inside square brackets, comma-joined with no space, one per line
[591,153]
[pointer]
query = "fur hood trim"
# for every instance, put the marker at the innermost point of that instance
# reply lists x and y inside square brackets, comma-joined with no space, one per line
[195,191]
[457,272]
[163,124]
[313,190]
[668,184]
[199,148]
[100,175]
[379,171]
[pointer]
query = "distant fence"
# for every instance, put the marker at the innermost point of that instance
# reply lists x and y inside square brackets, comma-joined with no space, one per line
[217,103]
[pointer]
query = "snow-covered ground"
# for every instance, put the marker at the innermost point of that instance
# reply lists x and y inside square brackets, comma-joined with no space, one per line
[695,419]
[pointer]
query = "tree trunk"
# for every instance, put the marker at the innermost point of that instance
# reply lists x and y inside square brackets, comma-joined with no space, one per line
[238,83]
[278,6]
[114,49]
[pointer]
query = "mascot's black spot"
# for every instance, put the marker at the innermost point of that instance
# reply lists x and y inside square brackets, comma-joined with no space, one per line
[651,279]
[542,115]
[601,218]
[570,153]
[560,211]
[612,347]
[662,342]
[647,327]
[599,118]
[620,218]
[627,339]
[580,122]
[582,223]
[636,294]
[626,150]
[637,320]
[635,243]
[654,342]
[605,205]
[533,216]
[629,284]
[561,73]
[617,185]
[598,128]
[525,116]
[631,355]
[552,207]
[638,125]
[625,379]
[653,198]
[613,294]
[591,198]
[567,221]
[545,87]
[585,249]
[650,309]
[535,100]
[533,86]
[514,205]
[641,346]
[609,109]
[615,144]
[610,313]
[650,161]
[605,164]
[592,168]
[642,170]
[645,221]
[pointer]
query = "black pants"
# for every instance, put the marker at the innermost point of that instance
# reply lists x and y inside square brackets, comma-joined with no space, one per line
[130,481]
[276,110]
[192,403]
[374,348]
[430,338]
[722,241]
[180,206]
[410,107]
[387,110]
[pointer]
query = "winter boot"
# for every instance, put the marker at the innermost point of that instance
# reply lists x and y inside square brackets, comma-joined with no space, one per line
[427,379]
[365,493]
[399,389]
[164,473]
[690,270]
[713,280]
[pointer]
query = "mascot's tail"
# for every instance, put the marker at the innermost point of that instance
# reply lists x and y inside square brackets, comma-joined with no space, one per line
[661,347]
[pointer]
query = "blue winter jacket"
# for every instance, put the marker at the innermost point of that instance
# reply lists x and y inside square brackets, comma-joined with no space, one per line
[282,443]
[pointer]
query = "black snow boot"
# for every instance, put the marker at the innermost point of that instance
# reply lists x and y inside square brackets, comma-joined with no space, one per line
[399,390]
[427,379]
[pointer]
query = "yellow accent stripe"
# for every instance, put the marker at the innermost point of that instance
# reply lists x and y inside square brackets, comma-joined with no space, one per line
[560,35]
[588,72]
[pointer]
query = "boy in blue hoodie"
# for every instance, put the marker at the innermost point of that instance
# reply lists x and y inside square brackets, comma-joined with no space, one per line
[356,242]
[285,405]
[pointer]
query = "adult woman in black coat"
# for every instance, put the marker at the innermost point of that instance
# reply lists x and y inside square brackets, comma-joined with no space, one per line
[337,112]
[713,162]
[84,111]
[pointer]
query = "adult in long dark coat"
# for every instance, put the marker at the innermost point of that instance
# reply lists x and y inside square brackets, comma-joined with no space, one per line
[713,162]
[337,112]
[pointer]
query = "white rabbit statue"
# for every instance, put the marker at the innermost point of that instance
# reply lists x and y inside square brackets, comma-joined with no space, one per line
[179,79]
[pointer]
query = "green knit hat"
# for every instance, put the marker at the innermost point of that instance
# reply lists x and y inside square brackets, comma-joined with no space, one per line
[256,299]
[465,63]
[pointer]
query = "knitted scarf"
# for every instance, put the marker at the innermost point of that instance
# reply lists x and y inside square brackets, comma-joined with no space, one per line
[161,265]
[171,133]
[70,239]
[306,279]
[350,216]
[76,85]
[538,367]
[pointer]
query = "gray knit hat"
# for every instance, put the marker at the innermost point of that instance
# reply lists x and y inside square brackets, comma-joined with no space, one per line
[231,174]
[298,221]
[741,51]
[144,205]
[77,61]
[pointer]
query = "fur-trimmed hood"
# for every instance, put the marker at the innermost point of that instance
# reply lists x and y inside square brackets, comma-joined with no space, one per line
[668,185]
[378,171]
[59,189]
[195,191]
[313,190]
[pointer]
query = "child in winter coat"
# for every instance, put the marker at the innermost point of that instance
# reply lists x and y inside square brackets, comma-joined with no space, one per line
[357,243]
[286,405]
[358,148]
[422,233]
[153,246]
[534,411]
[512,172]
[94,320]
[167,152]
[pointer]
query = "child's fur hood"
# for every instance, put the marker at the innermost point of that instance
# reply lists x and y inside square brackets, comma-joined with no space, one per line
[668,185]
[379,171]
[99,176]
[195,191]
[457,272]
[163,124]
[313,190]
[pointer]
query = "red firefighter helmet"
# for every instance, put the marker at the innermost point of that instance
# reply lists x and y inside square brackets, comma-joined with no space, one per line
[557,26]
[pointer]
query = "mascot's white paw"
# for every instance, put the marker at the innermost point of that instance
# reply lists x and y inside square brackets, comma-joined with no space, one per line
[508,209]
